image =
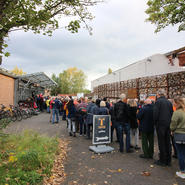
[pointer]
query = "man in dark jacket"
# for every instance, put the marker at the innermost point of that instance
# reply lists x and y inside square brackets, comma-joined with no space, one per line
[163,111]
[56,106]
[122,119]
[89,119]
[114,123]
[145,116]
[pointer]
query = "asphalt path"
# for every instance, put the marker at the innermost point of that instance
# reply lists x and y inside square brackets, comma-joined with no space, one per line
[83,167]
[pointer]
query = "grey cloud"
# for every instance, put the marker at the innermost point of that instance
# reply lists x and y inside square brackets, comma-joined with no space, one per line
[120,36]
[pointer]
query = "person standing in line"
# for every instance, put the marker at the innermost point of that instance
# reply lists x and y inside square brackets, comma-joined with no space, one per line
[172,137]
[56,107]
[103,109]
[145,116]
[122,119]
[134,131]
[82,110]
[47,104]
[178,130]
[89,119]
[114,123]
[71,118]
[51,109]
[163,111]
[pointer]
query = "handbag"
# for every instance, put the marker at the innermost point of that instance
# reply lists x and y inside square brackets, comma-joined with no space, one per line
[179,138]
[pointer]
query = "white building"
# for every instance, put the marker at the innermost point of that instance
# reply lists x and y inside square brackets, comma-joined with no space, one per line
[157,64]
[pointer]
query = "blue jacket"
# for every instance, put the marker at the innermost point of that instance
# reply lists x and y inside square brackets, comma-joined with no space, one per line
[103,111]
[71,111]
[145,116]
[89,118]
[56,104]
[95,110]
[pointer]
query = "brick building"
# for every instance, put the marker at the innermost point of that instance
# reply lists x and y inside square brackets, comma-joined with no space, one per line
[7,87]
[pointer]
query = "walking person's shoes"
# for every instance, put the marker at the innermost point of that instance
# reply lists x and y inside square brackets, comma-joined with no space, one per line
[143,156]
[130,151]
[159,163]
[70,134]
[74,134]
[174,156]
[137,147]
[181,175]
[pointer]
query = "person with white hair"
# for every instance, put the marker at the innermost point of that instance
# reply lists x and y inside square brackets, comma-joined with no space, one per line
[145,116]
[163,111]
[122,119]
[103,109]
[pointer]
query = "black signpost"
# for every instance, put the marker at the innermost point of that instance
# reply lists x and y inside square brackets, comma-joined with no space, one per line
[101,134]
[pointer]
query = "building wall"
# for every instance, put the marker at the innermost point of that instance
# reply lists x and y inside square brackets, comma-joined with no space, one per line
[6,90]
[154,65]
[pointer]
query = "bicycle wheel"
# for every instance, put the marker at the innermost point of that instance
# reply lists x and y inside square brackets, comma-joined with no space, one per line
[13,116]
[19,116]
[24,114]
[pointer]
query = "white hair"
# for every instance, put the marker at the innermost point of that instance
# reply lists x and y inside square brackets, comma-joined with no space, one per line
[122,96]
[102,104]
[161,92]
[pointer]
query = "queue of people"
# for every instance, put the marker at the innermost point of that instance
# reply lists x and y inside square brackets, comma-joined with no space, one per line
[133,119]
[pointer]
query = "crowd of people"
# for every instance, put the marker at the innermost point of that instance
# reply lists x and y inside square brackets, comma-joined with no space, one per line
[130,120]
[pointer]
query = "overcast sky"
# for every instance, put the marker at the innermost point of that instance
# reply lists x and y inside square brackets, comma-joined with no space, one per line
[120,37]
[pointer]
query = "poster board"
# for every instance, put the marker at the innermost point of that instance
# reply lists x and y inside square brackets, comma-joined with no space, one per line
[101,129]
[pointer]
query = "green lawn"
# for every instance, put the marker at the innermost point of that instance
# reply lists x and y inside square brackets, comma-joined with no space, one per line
[26,159]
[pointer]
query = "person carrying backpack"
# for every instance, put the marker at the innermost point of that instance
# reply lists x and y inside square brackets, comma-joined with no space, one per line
[82,110]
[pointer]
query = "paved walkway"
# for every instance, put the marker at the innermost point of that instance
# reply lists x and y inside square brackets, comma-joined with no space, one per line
[86,168]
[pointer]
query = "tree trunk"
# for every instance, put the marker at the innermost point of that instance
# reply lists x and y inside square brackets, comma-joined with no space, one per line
[1,48]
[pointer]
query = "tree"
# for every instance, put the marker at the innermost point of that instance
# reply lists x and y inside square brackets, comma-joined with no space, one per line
[69,81]
[109,71]
[166,12]
[18,71]
[56,89]
[41,16]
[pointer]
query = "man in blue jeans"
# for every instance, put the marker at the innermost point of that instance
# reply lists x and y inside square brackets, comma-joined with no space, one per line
[122,119]
[56,106]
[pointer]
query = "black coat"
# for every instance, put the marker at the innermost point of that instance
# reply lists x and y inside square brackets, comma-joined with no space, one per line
[121,112]
[145,116]
[163,111]
[132,117]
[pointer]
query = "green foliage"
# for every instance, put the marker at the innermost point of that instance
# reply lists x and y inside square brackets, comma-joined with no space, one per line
[42,16]
[69,81]
[29,160]
[86,91]
[25,159]
[166,12]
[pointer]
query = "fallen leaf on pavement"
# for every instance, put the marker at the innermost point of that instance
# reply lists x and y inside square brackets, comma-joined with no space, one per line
[145,173]
[120,170]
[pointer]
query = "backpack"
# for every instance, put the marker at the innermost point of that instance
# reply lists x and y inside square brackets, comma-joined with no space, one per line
[82,110]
